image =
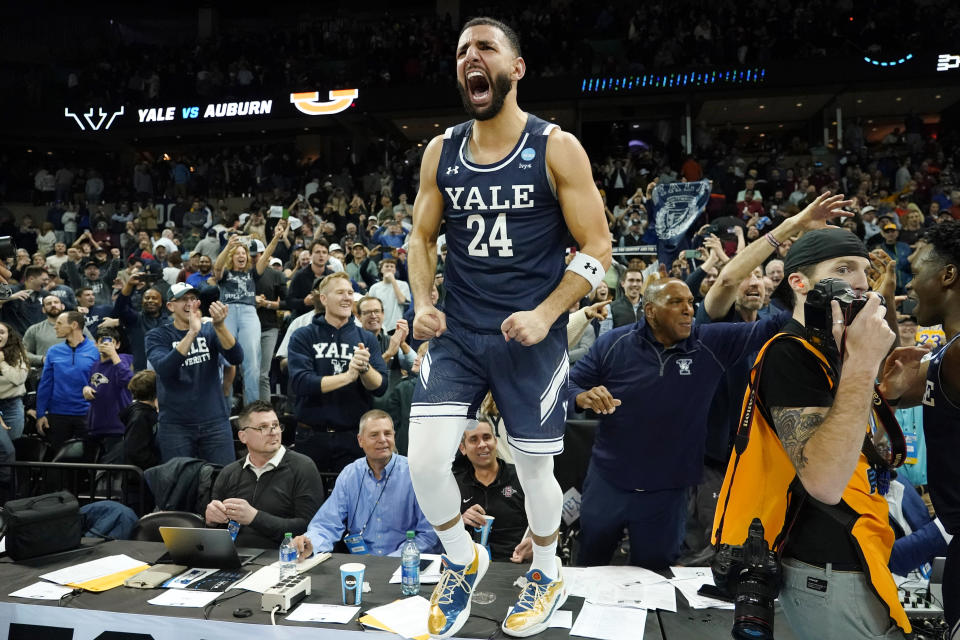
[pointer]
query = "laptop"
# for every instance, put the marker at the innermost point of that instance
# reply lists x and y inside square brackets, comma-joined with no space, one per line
[209,548]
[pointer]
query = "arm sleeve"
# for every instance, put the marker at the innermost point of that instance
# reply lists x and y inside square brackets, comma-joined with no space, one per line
[296,294]
[327,526]
[376,361]
[306,490]
[44,390]
[30,344]
[588,371]
[695,279]
[165,359]
[912,551]
[303,380]
[124,370]
[14,375]
[583,346]
[123,309]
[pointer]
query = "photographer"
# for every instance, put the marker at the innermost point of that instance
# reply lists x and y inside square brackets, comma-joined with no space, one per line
[818,460]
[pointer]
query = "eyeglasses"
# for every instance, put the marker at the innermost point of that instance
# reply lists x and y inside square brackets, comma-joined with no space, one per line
[265,429]
[370,312]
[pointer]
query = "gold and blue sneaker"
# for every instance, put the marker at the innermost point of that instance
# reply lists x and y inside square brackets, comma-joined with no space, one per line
[537,602]
[450,602]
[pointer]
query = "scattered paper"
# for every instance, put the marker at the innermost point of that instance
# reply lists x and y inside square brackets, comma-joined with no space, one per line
[42,591]
[648,596]
[688,581]
[561,619]
[185,598]
[260,580]
[326,613]
[577,582]
[187,578]
[94,569]
[406,617]
[430,575]
[609,623]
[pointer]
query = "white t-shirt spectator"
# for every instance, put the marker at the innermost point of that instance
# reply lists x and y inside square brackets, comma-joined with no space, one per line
[392,309]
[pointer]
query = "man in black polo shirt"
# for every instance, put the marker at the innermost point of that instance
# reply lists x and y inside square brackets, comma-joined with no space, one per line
[271,491]
[489,486]
[627,309]
[335,371]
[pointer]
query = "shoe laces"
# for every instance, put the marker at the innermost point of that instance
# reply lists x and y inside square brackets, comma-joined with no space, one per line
[449,581]
[529,596]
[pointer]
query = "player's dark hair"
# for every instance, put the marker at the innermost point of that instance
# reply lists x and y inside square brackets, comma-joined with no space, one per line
[510,34]
[944,237]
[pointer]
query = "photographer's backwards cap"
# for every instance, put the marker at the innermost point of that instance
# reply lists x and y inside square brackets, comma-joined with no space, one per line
[814,247]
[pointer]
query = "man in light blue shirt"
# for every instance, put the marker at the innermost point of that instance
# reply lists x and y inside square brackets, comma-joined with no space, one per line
[372,505]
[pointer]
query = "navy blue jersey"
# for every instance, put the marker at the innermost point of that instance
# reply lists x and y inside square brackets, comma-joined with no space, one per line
[941,428]
[505,231]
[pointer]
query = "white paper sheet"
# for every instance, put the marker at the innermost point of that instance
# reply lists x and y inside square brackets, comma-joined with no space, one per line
[407,617]
[688,581]
[609,623]
[185,598]
[561,619]
[93,569]
[648,596]
[42,591]
[327,613]
[431,575]
[577,582]
[260,580]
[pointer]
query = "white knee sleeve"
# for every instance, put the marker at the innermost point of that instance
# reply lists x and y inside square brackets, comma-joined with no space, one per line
[432,446]
[542,493]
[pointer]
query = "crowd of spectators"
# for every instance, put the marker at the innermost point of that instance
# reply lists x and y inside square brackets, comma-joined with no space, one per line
[246,56]
[133,272]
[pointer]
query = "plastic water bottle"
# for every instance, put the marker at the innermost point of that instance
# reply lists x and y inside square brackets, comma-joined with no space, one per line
[288,557]
[410,566]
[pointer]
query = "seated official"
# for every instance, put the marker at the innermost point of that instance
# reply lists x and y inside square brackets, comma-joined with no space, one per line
[372,505]
[489,486]
[271,491]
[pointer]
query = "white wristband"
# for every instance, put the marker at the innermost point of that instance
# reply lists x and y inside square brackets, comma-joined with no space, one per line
[588,267]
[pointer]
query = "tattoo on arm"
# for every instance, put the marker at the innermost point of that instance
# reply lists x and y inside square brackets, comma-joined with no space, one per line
[795,426]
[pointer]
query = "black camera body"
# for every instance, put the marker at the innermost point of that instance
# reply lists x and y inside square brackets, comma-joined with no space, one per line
[751,573]
[818,316]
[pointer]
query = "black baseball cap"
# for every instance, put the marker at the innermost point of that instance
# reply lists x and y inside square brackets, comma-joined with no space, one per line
[816,246]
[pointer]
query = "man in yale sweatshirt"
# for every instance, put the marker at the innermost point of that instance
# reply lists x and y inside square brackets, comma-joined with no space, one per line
[335,371]
[194,421]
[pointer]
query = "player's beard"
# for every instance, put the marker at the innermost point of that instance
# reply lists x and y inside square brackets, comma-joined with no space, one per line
[499,89]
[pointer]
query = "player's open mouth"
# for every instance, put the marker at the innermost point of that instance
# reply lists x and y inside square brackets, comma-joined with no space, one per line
[478,87]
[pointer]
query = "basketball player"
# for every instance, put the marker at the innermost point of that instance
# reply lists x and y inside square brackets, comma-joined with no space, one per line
[510,189]
[935,382]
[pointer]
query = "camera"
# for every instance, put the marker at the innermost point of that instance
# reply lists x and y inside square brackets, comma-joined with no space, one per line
[818,316]
[752,572]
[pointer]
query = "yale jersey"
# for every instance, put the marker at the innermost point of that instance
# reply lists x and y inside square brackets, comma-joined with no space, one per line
[941,428]
[505,231]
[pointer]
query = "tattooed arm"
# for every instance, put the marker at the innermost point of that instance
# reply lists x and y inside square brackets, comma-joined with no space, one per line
[824,442]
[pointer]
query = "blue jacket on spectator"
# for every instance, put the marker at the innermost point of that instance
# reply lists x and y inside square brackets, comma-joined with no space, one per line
[66,370]
[319,350]
[926,539]
[655,439]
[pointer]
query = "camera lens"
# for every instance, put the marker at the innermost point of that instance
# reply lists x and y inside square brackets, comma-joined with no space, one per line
[753,608]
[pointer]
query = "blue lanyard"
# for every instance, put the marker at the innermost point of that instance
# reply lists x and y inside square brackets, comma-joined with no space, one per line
[382,489]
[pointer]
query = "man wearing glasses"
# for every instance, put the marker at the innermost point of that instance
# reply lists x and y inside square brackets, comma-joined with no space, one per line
[271,491]
[396,352]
